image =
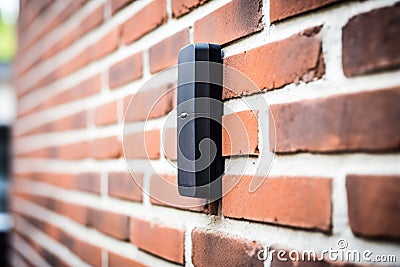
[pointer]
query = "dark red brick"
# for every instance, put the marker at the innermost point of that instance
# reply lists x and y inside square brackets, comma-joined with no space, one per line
[373,205]
[293,201]
[274,65]
[371,41]
[126,71]
[338,123]
[182,7]
[240,133]
[218,249]
[144,21]
[123,185]
[165,53]
[236,19]
[111,223]
[282,9]
[147,235]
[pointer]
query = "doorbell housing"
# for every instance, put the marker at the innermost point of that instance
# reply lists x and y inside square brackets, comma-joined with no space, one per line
[199,125]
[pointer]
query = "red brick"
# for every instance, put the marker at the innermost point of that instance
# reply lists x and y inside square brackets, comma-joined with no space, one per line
[282,9]
[88,252]
[373,205]
[88,182]
[106,148]
[274,65]
[371,41]
[218,249]
[123,185]
[126,71]
[117,5]
[106,45]
[338,123]
[106,114]
[47,255]
[149,104]
[142,145]
[182,7]
[115,260]
[164,192]
[88,87]
[62,44]
[240,133]
[147,235]
[93,20]
[77,62]
[111,223]
[85,181]
[75,212]
[170,143]
[293,201]
[57,179]
[236,19]
[73,151]
[72,122]
[144,21]
[165,53]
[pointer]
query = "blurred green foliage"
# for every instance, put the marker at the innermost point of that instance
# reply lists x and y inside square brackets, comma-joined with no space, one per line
[8,42]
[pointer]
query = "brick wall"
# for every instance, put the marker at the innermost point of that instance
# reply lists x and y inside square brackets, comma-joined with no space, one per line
[329,71]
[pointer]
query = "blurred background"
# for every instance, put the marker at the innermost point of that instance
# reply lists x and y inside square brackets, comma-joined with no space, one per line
[8,46]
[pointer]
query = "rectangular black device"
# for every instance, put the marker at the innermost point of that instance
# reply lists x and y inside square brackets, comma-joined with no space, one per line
[199,121]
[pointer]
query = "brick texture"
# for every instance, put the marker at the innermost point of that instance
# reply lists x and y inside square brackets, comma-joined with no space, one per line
[182,7]
[281,9]
[125,71]
[75,212]
[142,145]
[165,53]
[164,192]
[117,5]
[150,103]
[106,114]
[115,260]
[109,43]
[170,143]
[94,138]
[272,66]
[240,134]
[378,191]
[106,148]
[368,48]
[245,17]
[147,235]
[146,20]
[123,185]
[88,182]
[94,19]
[218,249]
[292,201]
[338,123]
[71,122]
[111,223]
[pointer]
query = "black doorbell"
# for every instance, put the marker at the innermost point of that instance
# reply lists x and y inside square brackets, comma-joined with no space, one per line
[199,121]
